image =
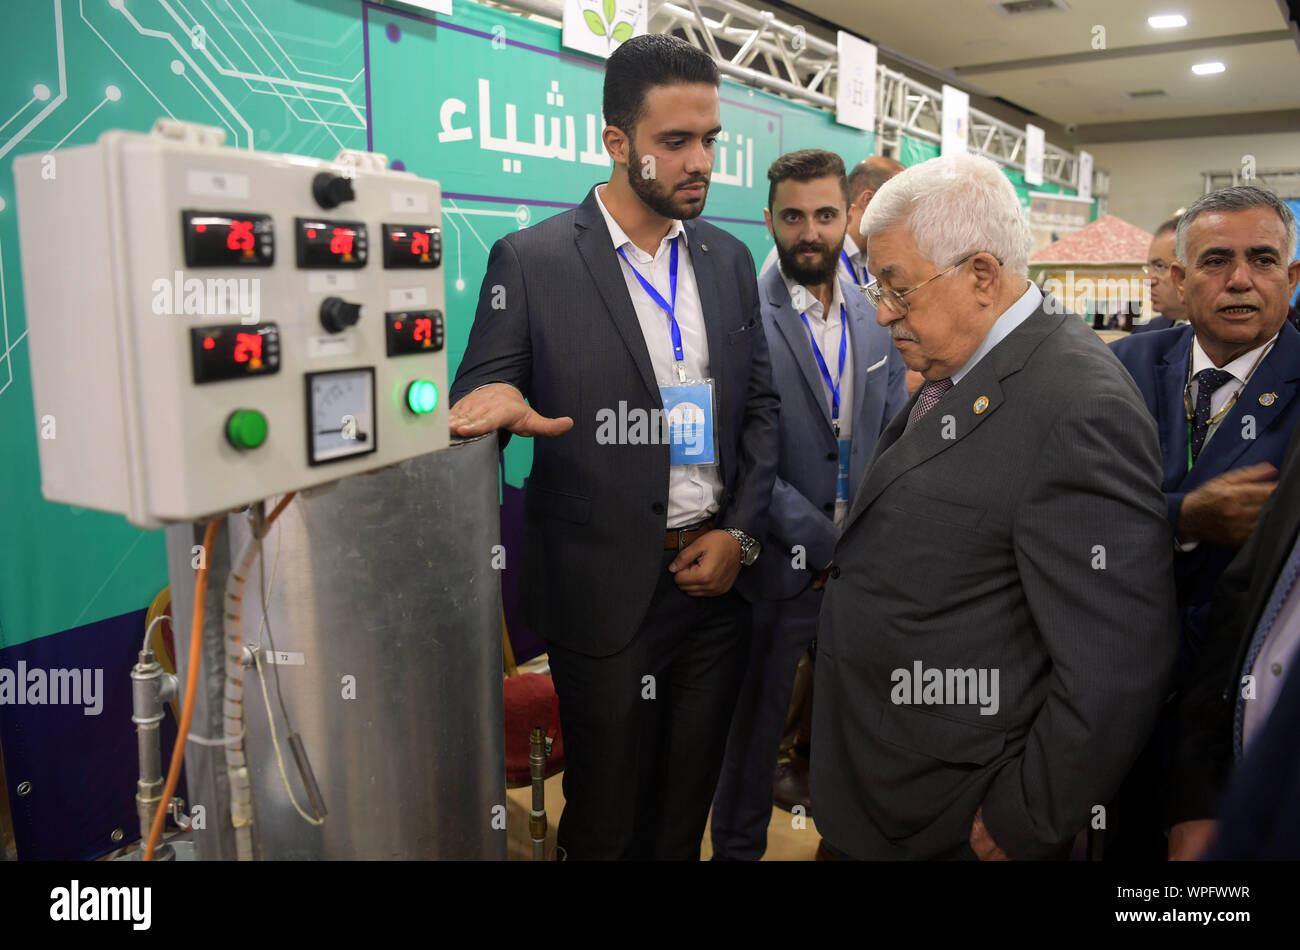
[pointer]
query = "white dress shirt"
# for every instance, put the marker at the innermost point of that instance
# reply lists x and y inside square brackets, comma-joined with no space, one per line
[694,491]
[827,329]
[1239,368]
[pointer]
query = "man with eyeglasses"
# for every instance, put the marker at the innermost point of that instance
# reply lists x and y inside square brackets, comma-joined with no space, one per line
[1222,390]
[999,627]
[1165,299]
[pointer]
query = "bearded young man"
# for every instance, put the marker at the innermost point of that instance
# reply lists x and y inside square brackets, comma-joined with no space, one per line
[629,307]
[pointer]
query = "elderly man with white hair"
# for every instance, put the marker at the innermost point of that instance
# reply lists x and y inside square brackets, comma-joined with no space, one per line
[999,628]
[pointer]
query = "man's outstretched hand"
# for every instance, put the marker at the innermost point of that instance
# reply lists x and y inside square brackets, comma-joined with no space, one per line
[501,406]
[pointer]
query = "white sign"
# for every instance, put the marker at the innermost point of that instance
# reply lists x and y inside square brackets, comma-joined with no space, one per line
[437,6]
[599,27]
[1085,175]
[855,93]
[956,121]
[1033,155]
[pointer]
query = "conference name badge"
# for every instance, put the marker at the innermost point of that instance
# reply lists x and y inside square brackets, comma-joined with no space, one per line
[688,410]
[842,480]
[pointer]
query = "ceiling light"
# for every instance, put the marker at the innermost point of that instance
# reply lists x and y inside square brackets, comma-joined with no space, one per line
[1207,69]
[1168,22]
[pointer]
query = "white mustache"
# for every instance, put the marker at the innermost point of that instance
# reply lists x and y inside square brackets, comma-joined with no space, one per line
[900,333]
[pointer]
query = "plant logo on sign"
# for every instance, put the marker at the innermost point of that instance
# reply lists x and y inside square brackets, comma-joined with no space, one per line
[604,26]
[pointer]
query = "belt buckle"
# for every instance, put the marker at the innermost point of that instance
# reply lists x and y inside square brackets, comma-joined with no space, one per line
[681,537]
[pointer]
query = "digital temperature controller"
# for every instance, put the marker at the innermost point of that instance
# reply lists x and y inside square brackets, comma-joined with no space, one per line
[412,245]
[415,331]
[330,244]
[227,239]
[235,351]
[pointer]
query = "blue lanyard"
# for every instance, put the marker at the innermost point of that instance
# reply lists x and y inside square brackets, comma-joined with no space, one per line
[826,372]
[844,255]
[673,329]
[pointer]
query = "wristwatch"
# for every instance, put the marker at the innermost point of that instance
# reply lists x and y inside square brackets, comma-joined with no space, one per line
[748,546]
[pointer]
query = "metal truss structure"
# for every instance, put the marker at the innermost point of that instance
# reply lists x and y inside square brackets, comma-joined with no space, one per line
[804,68]
[1284,182]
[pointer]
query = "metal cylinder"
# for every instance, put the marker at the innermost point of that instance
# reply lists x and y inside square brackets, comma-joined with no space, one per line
[147,714]
[385,612]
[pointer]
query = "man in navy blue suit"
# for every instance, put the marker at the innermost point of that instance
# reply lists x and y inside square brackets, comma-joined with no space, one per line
[840,380]
[1223,391]
[1165,299]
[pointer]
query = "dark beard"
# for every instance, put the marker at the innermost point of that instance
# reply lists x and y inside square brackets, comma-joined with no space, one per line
[809,276]
[655,198]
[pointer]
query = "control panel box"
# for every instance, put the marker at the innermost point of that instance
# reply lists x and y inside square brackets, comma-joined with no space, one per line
[210,326]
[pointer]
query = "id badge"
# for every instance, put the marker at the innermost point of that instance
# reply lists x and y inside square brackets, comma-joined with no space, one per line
[842,481]
[688,410]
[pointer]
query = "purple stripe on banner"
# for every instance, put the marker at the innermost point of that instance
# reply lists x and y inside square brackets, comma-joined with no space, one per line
[568,204]
[365,47]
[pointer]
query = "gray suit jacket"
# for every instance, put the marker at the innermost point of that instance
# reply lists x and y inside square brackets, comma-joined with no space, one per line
[1018,528]
[555,320]
[803,500]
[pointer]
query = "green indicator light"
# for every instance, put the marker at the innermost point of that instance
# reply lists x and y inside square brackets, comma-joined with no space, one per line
[246,428]
[422,396]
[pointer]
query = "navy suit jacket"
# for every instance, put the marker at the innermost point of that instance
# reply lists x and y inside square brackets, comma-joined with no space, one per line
[803,499]
[1158,362]
[1160,322]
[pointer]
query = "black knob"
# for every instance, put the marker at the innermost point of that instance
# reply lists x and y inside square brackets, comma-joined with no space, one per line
[331,191]
[336,314]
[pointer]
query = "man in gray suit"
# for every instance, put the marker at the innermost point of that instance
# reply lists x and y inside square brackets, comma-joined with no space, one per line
[999,628]
[636,521]
[840,381]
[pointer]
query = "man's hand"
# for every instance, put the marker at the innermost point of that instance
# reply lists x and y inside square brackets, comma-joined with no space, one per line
[982,843]
[819,579]
[707,567]
[501,406]
[1224,510]
[1188,840]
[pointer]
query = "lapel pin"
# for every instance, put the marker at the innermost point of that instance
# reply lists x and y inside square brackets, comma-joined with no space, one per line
[1267,399]
[981,404]
[703,246]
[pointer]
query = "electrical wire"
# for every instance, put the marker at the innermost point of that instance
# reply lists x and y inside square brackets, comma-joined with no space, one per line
[191,688]
[279,757]
[148,633]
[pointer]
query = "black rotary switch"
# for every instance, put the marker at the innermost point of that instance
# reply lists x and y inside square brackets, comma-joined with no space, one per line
[331,191]
[336,314]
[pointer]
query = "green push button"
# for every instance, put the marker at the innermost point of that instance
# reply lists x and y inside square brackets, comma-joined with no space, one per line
[246,428]
[422,396]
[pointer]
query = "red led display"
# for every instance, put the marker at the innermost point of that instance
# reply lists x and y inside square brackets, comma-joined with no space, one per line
[412,245]
[234,351]
[330,244]
[416,331]
[227,239]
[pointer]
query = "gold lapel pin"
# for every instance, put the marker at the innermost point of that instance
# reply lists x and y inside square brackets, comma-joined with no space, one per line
[1267,399]
[981,404]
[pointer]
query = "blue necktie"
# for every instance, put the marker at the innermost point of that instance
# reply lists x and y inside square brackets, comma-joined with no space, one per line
[1207,381]
[1285,581]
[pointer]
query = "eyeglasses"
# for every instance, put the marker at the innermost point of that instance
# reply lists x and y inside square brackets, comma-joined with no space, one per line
[893,299]
[1159,269]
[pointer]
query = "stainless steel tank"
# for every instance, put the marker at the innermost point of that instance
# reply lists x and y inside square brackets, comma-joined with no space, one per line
[387,603]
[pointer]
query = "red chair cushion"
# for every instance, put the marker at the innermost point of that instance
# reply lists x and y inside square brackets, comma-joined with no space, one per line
[530,702]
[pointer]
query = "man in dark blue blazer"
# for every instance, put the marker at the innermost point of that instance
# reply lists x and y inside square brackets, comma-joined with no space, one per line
[1223,392]
[841,380]
[1165,299]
